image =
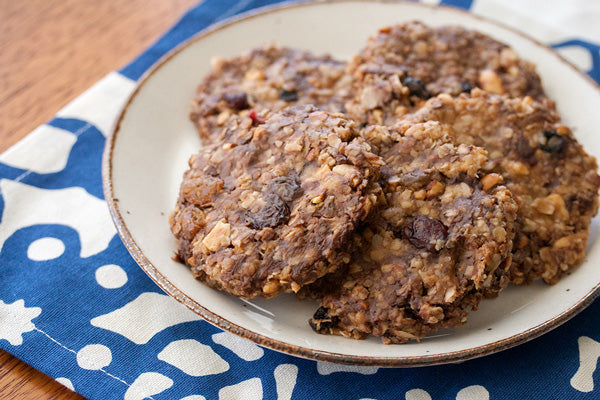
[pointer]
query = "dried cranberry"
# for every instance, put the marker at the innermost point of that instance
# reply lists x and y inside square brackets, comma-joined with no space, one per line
[288,95]
[256,120]
[555,143]
[416,87]
[236,101]
[424,232]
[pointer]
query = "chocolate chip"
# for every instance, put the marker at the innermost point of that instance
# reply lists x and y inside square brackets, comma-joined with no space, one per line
[287,188]
[466,87]
[288,95]
[321,322]
[273,213]
[416,87]
[321,313]
[555,143]
[424,233]
[236,101]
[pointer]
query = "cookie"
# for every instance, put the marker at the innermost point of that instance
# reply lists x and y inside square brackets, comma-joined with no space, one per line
[272,208]
[406,64]
[553,179]
[438,244]
[267,78]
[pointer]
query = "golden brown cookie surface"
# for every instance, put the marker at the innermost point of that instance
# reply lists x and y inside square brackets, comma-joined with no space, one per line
[272,208]
[434,249]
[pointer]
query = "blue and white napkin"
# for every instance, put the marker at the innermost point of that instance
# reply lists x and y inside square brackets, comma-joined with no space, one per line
[75,305]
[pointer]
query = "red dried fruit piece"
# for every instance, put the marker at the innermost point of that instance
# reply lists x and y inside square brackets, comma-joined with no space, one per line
[256,120]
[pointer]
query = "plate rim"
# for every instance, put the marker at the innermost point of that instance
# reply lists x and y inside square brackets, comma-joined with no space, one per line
[276,344]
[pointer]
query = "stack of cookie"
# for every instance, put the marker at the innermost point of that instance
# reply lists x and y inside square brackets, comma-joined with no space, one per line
[398,189]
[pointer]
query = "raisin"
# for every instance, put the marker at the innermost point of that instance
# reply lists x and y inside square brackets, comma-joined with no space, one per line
[466,87]
[416,87]
[288,95]
[524,149]
[424,232]
[287,188]
[236,101]
[555,143]
[274,212]
[418,178]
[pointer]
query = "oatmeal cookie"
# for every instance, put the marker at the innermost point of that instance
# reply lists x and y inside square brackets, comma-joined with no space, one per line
[438,245]
[406,64]
[272,208]
[271,77]
[553,179]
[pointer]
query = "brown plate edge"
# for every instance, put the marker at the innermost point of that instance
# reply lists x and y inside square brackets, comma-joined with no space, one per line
[209,316]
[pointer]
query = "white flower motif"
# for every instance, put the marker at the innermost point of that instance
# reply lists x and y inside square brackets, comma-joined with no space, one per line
[589,353]
[15,320]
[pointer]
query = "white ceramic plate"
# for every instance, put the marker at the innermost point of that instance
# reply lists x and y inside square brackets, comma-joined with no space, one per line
[151,143]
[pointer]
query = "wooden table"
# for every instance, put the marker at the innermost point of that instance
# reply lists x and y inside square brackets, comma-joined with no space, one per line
[50,52]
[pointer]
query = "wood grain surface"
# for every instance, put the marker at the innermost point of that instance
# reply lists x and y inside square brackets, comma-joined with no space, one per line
[50,52]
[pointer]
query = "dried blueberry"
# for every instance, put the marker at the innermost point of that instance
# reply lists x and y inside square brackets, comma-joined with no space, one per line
[466,87]
[288,95]
[236,101]
[287,188]
[555,143]
[424,232]
[273,213]
[416,87]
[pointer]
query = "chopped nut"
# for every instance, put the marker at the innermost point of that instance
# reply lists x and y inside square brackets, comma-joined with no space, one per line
[293,146]
[271,287]
[544,206]
[420,194]
[491,180]
[254,75]
[223,117]
[218,236]
[318,199]
[517,168]
[435,188]
[563,242]
[377,117]
[559,205]
[491,82]
[499,234]
[450,295]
